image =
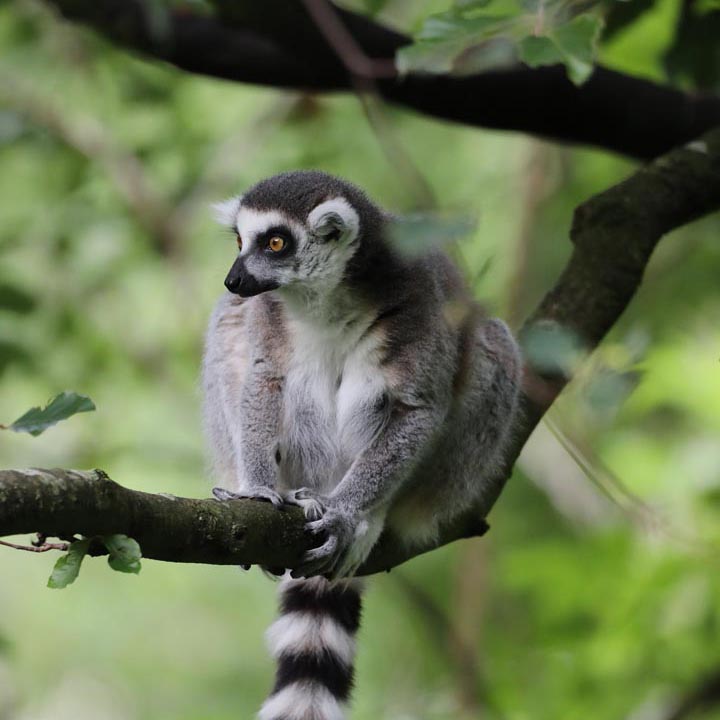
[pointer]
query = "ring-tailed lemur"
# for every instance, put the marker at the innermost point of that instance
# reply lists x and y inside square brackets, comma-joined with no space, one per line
[353,380]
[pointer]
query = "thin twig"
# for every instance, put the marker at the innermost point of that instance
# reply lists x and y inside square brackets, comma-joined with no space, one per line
[352,56]
[363,72]
[37,548]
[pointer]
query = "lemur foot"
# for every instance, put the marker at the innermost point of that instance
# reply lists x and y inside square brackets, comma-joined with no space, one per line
[312,505]
[257,493]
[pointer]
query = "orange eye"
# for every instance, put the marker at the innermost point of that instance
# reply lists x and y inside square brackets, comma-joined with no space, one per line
[239,242]
[276,243]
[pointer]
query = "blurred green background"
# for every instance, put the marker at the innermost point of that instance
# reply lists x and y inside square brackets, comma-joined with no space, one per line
[596,594]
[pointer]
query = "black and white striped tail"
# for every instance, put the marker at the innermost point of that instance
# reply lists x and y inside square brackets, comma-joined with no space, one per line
[313,642]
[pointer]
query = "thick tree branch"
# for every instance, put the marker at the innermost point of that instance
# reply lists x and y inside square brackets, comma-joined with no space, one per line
[63,503]
[614,234]
[276,43]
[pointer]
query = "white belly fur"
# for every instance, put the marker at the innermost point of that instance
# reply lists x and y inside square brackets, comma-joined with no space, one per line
[329,404]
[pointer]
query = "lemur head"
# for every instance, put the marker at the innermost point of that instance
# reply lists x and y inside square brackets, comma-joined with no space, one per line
[296,229]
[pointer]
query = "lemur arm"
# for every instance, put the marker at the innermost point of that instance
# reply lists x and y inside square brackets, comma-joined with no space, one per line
[353,515]
[243,402]
[419,391]
[380,470]
[261,399]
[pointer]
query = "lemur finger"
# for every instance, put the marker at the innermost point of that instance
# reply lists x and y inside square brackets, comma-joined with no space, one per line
[317,526]
[223,494]
[259,493]
[313,509]
[317,561]
[325,550]
[302,493]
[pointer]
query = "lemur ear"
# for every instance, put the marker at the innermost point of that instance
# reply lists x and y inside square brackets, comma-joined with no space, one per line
[334,219]
[226,211]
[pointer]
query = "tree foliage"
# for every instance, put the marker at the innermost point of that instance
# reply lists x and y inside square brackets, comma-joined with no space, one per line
[595,593]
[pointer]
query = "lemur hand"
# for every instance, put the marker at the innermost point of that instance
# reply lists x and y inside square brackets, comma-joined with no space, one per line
[347,538]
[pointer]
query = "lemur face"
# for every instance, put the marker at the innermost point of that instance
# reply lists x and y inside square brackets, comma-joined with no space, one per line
[277,249]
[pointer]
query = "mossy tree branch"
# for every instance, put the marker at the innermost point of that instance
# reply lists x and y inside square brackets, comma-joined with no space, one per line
[614,234]
[62,503]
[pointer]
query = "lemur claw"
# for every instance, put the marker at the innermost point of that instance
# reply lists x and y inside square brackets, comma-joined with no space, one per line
[329,558]
[265,494]
[312,505]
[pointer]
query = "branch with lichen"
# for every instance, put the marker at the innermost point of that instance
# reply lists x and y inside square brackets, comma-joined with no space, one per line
[614,235]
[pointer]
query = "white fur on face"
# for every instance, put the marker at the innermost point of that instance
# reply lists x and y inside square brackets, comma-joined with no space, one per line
[319,261]
[251,223]
[225,211]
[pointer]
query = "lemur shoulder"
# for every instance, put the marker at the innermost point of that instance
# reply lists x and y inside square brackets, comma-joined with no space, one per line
[356,381]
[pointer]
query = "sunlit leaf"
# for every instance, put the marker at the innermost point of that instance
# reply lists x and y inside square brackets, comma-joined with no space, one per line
[450,42]
[492,54]
[124,552]
[65,405]
[449,27]
[577,40]
[67,568]
[436,57]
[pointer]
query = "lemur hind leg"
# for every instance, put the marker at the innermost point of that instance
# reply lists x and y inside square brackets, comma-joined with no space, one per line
[471,450]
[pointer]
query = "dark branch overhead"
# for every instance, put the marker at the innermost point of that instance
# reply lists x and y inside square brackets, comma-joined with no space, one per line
[614,235]
[275,43]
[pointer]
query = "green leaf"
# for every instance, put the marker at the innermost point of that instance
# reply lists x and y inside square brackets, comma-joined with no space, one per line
[61,407]
[552,349]
[540,50]
[450,42]
[577,40]
[416,234]
[124,552]
[449,26]
[428,57]
[67,568]
[492,54]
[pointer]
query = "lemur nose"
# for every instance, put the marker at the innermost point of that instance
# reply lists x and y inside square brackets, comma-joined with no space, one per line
[232,283]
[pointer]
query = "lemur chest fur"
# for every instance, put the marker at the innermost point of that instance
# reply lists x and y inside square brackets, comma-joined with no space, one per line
[333,401]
